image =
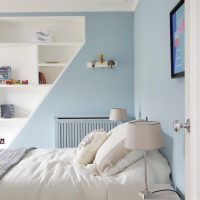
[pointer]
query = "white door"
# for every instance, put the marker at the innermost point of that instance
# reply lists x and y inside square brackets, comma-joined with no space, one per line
[192,99]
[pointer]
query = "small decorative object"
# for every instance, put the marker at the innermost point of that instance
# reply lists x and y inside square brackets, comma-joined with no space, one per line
[101,59]
[7,110]
[25,82]
[10,82]
[16,82]
[41,36]
[111,63]
[177,33]
[42,78]
[2,141]
[93,63]
[146,136]
[5,74]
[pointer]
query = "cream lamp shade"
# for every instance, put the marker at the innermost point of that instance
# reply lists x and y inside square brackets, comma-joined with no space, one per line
[118,114]
[144,135]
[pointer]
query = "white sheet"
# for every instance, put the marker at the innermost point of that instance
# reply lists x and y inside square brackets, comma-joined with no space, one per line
[56,175]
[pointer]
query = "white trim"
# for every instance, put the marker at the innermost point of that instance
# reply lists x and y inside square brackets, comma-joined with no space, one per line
[192,140]
[6,7]
[42,18]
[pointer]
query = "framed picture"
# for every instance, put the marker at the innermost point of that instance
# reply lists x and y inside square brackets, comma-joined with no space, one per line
[177,33]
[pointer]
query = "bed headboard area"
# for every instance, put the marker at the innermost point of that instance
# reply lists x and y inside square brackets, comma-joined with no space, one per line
[70,131]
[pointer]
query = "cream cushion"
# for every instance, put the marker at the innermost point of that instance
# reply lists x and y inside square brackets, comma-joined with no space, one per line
[113,157]
[87,154]
[88,138]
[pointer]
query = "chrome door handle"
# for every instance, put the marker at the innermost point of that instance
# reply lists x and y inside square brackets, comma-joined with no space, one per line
[178,125]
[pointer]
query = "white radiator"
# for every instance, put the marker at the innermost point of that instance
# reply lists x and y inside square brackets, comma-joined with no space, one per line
[70,131]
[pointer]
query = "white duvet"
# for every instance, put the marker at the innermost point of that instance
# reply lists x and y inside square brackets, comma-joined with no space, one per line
[55,175]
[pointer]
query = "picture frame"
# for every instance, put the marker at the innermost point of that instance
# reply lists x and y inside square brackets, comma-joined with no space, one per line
[177,37]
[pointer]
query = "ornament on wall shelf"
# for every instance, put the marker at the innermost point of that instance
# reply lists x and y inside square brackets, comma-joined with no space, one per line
[93,63]
[101,59]
[102,63]
[111,63]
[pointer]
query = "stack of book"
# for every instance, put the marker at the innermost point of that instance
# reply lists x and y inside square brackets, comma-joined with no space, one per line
[42,79]
[5,74]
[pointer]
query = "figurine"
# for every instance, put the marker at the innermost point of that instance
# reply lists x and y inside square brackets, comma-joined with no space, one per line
[101,59]
[93,63]
[25,82]
[111,63]
[16,82]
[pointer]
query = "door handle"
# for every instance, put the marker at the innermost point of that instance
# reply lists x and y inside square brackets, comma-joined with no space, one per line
[178,125]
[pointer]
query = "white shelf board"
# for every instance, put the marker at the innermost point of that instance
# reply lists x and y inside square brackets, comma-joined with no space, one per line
[52,64]
[59,44]
[16,44]
[31,19]
[13,119]
[25,86]
[100,65]
[13,44]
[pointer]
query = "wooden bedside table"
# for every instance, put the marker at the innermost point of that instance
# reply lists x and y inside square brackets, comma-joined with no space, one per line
[130,192]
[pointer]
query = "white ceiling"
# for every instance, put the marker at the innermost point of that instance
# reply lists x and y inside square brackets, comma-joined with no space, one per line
[67,5]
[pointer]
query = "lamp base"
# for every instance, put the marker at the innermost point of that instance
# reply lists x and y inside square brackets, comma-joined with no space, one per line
[146,195]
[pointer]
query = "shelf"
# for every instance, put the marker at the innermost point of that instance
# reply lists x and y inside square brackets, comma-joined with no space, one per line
[52,64]
[75,44]
[16,44]
[100,65]
[8,44]
[25,86]
[13,119]
[28,58]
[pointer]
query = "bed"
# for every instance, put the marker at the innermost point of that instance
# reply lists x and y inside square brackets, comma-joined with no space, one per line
[56,174]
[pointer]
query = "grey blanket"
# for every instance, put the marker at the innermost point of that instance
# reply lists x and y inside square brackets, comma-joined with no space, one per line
[11,157]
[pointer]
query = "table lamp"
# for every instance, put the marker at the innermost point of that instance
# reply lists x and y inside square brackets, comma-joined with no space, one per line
[144,135]
[118,114]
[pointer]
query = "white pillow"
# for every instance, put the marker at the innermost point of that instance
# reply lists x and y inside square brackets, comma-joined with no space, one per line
[125,162]
[87,154]
[88,139]
[157,166]
[113,157]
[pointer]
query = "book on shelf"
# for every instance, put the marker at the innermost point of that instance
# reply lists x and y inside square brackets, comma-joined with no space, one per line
[42,78]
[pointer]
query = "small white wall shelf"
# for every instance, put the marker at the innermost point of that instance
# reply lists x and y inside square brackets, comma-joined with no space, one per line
[100,65]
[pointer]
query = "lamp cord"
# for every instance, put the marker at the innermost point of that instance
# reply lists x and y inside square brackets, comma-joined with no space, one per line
[167,190]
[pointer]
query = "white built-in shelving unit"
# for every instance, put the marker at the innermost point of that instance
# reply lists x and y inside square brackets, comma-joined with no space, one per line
[27,59]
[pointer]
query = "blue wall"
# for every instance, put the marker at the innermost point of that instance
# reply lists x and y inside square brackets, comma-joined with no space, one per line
[88,92]
[157,95]
[84,92]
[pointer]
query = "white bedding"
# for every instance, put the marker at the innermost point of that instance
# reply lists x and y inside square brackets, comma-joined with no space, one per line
[56,175]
